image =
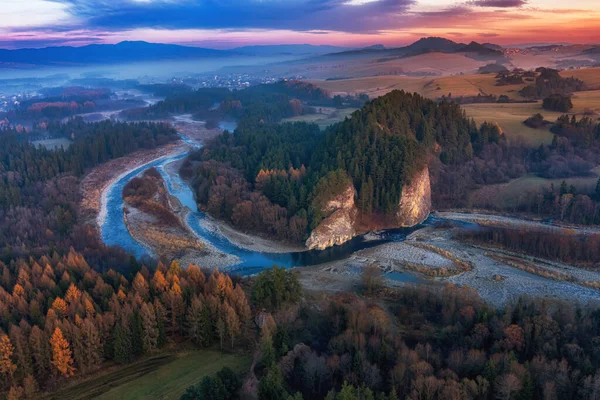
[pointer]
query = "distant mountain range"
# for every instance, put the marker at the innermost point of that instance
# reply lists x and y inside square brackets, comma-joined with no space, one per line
[129,51]
[105,54]
[288,49]
[486,51]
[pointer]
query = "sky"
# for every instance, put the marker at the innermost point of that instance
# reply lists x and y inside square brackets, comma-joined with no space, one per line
[351,23]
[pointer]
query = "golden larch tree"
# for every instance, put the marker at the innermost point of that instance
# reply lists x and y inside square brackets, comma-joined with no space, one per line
[7,367]
[60,307]
[62,358]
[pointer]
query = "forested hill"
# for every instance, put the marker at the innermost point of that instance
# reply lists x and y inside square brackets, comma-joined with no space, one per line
[386,142]
[379,148]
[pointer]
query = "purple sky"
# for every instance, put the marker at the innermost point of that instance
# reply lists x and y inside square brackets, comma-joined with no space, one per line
[229,23]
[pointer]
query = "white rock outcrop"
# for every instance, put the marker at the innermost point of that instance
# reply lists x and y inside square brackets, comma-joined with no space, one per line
[415,202]
[338,227]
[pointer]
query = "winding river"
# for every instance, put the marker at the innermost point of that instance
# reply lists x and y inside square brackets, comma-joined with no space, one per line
[114,231]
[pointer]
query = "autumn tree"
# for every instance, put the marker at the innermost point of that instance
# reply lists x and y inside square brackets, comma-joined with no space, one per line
[198,322]
[7,367]
[40,351]
[92,344]
[232,322]
[150,328]
[60,307]
[62,359]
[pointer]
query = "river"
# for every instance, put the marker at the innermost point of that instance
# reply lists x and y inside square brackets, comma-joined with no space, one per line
[114,230]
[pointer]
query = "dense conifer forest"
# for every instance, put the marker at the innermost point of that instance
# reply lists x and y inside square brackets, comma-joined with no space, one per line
[379,149]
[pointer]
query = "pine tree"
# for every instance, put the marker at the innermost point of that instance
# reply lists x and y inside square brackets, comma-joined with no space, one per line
[40,351]
[22,351]
[92,343]
[7,367]
[137,332]
[528,389]
[150,328]
[160,323]
[60,307]
[140,286]
[348,392]
[30,387]
[62,359]
[271,387]
[194,322]
[232,323]
[73,294]
[122,344]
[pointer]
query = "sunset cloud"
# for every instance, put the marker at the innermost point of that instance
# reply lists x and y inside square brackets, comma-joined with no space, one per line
[76,22]
[499,3]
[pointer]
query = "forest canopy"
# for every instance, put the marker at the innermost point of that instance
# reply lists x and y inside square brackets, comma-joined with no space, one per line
[378,148]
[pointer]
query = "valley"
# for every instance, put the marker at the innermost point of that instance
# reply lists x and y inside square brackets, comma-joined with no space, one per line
[298,222]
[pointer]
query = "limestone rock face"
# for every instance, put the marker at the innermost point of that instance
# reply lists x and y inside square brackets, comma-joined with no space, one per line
[339,227]
[415,202]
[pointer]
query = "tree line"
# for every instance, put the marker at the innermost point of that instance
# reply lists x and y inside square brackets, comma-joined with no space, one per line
[378,149]
[555,244]
[549,82]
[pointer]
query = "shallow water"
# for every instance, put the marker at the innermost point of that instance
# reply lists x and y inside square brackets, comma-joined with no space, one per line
[114,230]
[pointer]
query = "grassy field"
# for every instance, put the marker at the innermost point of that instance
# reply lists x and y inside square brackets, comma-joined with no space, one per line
[326,117]
[587,102]
[432,87]
[510,117]
[591,76]
[460,85]
[161,377]
[511,193]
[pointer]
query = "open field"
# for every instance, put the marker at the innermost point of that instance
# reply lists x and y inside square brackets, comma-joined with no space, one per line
[327,116]
[510,117]
[161,377]
[458,85]
[437,64]
[591,76]
[512,193]
[587,101]
[53,144]
[432,87]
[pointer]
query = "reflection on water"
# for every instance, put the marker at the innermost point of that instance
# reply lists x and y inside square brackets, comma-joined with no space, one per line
[114,230]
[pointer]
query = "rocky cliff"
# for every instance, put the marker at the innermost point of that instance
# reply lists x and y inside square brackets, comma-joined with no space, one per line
[338,227]
[415,202]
